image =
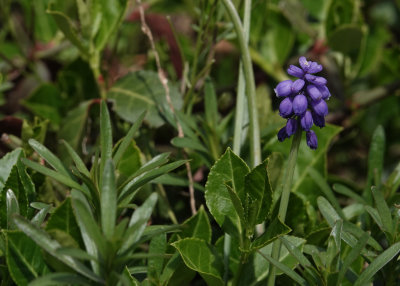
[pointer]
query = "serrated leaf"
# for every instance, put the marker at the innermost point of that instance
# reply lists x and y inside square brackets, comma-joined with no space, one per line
[197,226]
[200,256]
[24,258]
[228,168]
[274,230]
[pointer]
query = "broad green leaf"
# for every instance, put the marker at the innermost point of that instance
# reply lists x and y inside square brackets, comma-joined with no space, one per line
[346,39]
[80,165]
[127,279]
[197,226]
[127,139]
[229,168]
[45,102]
[105,136]
[140,91]
[157,247]
[45,27]
[199,256]
[377,264]
[137,223]
[44,241]
[24,258]
[63,218]
[6,165]
[176,272]
[59,278]
[108,200]
[274,170]
[130,162]
[383,211]
[274,230]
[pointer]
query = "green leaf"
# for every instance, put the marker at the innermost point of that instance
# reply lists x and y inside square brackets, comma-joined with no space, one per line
[38,219]
[375,159]
[129,189]
[128,139]
[210,104]
[274,230]
[105,136]
[292,274]
[6,165]
[12,207]
[341,189]
[157,247]
[24,258]
[90,231]
[229,168]
[352,256]
[377,264]
[55,175]
[326,190]
[199,256]
[80,165]
[197,226]
[137,223]
[63,219]
[130,162]
[190,143]
[59,278]
[44,241]
[127,279]
[140,91]
[66,26]
[75,253]
[108,200]
[346,39]
[294,251]
[384,212]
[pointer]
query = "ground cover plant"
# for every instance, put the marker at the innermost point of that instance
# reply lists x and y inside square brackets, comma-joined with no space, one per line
[208,142]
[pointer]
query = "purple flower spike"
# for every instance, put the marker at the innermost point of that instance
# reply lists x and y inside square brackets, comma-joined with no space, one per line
[317,80]
[284,88]
[318,120]
[305,65]
[314,92]
[320,107]
[297,85]
[312,140]
[314,68]
[291,126]
[295,71]
[282,135]
[324,92]
[306,121]
[300,104]
[286,107]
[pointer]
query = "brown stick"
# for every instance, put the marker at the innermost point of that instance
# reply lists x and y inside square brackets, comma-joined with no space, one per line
[164,81]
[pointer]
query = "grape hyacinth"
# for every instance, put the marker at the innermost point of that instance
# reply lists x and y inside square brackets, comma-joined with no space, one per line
[303,103]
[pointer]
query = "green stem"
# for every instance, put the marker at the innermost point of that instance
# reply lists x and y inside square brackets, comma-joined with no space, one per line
[287,185]
[237,137]
[255,149]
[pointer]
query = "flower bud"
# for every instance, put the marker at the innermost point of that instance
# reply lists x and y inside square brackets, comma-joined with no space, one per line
[282,135]
[306,121]
[317,80]
[324,92]
[320,107]
[297,86]
[311,139]
[314,68]
[318,120]
[291,126]
[295,71]
[305,65]
[286,107]
[300,104]
[314,92]
[284,88]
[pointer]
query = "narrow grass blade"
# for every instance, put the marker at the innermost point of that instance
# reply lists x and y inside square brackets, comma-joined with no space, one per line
[108,200]
[105,136]
[127,139]
[342,189]
[59,278]
[383,211]
[41,215]
[49,157]
[12,207]
[80,165]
